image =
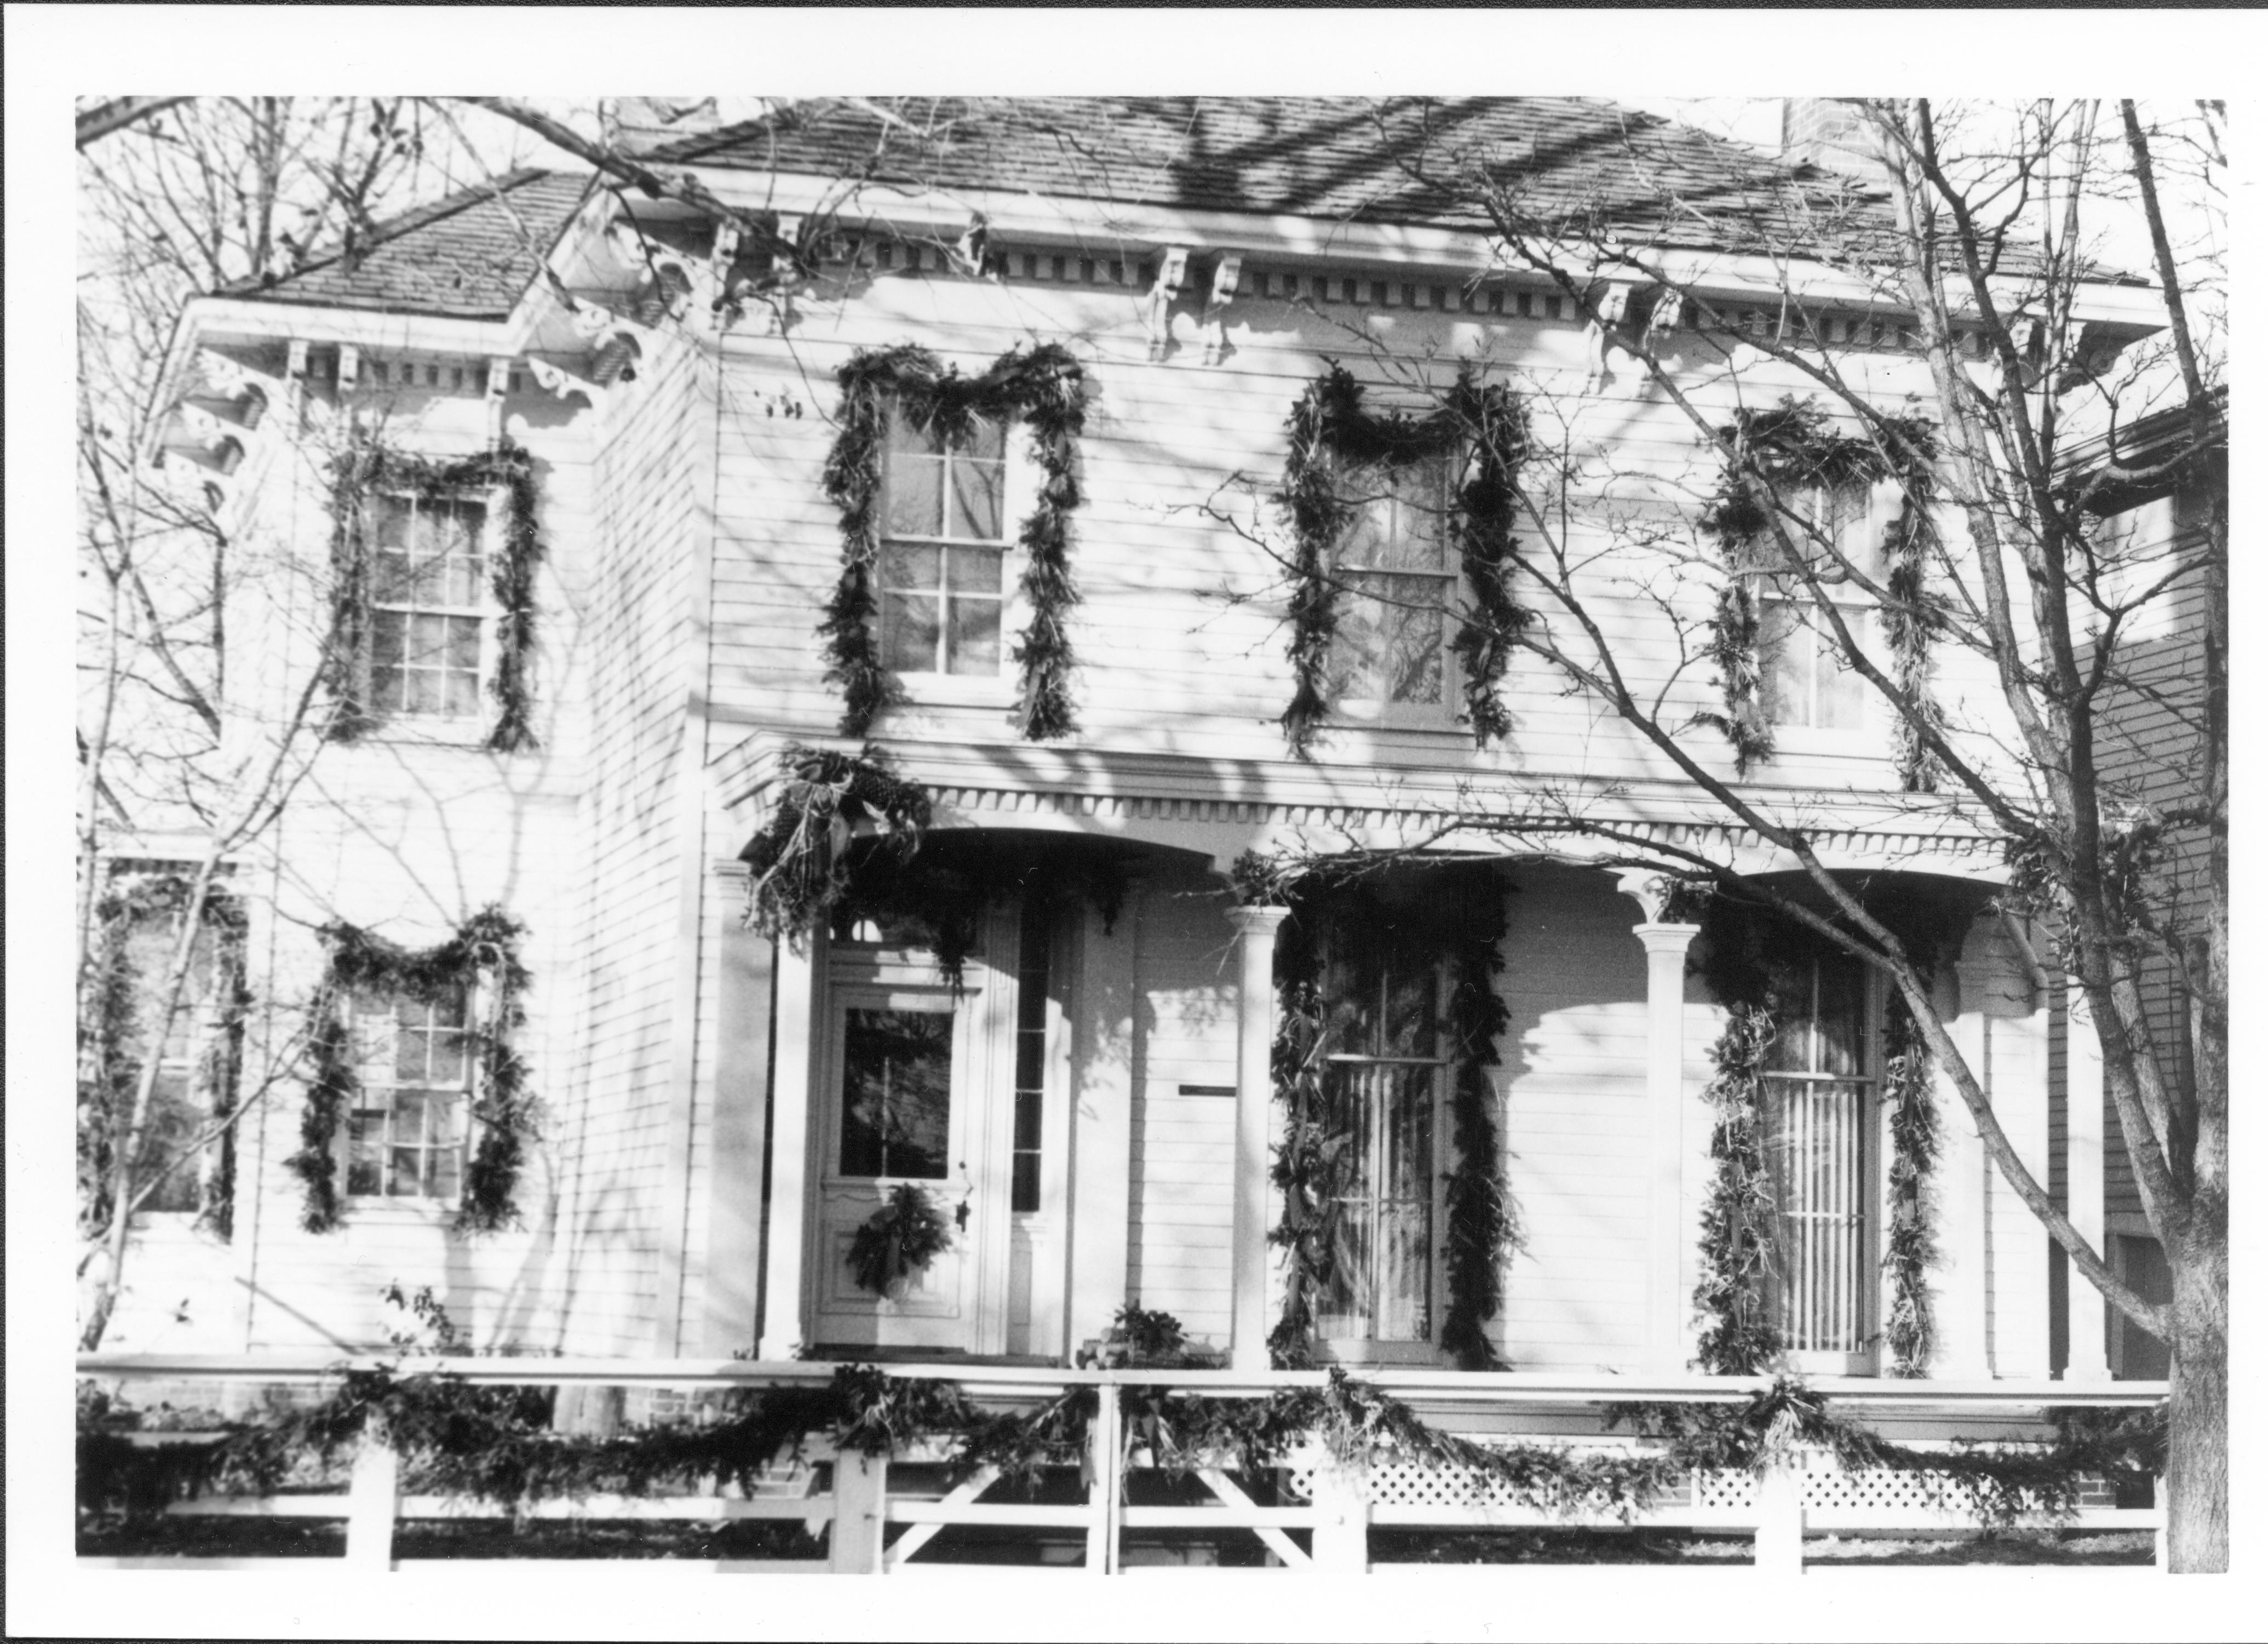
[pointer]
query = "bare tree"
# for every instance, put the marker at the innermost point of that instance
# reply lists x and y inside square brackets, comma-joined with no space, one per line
[1978,246]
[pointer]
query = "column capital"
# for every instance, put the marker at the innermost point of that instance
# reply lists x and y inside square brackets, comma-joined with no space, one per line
[1258,921]
[1666,939]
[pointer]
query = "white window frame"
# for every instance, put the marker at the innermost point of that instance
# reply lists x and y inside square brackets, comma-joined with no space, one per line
[1867,1187]
[1375,1350]
[437,724]
[1785,590]
[997,688]
[377,1096]
[1378,711]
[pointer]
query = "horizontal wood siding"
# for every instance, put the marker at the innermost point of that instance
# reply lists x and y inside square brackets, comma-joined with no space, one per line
[1179,636]
[1181,1203]
[1576,1140]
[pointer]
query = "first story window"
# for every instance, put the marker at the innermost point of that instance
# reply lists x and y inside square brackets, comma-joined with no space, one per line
[1818,1103]
[944,546]
[1382,1094]
[406,1134]
[429,605]
[1397,578]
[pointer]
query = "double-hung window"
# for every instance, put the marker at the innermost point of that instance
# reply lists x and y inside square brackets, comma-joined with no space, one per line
[415,1068]
[430,605]
[1808,683]
[1381,1092]
[1817,1101]
[1397,577]
[943,550]
[188,1086]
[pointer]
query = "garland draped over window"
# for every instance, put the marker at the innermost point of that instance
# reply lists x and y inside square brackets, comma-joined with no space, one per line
[484,950]
[365,468]
[1047,388]
[109,1072]
[1310,1167]
[1795,446]
[1738,1259]
[1328,427]
[806,864]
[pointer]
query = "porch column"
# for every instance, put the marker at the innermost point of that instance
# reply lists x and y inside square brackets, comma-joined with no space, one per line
[1666,1235]
[783,1215]
[2086,1314]
[1256,1034]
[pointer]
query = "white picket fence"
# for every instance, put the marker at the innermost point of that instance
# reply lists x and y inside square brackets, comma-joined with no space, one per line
[878,1513]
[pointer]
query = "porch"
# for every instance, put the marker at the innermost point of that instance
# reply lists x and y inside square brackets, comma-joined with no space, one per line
[1113,1496]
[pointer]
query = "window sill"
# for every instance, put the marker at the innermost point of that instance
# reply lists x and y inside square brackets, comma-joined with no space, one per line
[954,690]
[1808,742]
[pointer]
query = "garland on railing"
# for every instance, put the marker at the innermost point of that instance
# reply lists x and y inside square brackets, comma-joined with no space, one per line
[1792,447]
[365,468]
[496,1444]
[485,949]
[1045,387]
[805,865]
[1910,1094]
[109,1072]
[1330,430]
[1312,1164]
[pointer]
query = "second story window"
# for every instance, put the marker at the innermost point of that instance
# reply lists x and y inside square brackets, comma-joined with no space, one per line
[428,606]
[945,544]
[1808,680]
[1397,573]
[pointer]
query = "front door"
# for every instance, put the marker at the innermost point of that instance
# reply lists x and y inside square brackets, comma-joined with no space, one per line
[914,1097]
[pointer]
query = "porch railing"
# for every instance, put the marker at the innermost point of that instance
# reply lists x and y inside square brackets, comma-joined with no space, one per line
[860,1500]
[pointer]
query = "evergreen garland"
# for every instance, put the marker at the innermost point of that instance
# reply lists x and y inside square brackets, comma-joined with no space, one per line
[364,469]
[1046,388]
[806,866]
[110,1072]
[496,1444]
[504,1110]
[1313,1164]
[1790,448]
[1741,948]
[1908,1092]
[1330,430]
[903,1237]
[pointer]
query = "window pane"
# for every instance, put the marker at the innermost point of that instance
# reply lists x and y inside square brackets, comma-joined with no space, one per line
[463,638]
[973,646]
[909,566]
[985,440]
[916,497]
[905,440]
[976,500]
[394,523]
[1357,664]
[444,1174]
[421,691]
[402,1173]
[1841,692]
[392,576]
[461,694]
[1400,522]
[910,633]
[973,570]
[386,638]
[1785,644]
[169,1127]
[1410,637]
[897,1092]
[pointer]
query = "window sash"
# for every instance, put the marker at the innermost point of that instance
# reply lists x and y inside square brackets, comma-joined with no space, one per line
[1807,684]
[417,1065]
[416,661]
[1398,579]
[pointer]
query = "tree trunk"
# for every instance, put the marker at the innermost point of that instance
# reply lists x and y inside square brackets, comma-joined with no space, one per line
[2197,1452]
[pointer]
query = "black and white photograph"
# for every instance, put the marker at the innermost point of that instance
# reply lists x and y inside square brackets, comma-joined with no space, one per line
[1405,841]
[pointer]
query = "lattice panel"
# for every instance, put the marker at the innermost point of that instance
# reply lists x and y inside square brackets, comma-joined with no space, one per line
[1418,1485]
[1726,1488]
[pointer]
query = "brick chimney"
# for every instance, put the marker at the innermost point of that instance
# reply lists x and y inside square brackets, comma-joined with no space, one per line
[1827,132]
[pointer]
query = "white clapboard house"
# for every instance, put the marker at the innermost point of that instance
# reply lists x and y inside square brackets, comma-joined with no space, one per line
[719,1120]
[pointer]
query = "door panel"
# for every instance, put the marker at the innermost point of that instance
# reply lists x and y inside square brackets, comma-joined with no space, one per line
[905,1082]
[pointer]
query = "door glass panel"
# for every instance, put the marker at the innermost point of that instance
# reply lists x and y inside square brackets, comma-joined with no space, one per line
[1379,1120]
[897,1092]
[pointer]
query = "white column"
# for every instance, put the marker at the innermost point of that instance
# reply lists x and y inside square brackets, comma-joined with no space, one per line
[792,1060]
[1256,1034]
[1961,1288]
[1666,1235]
[2085,1313]
[1102,1118]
